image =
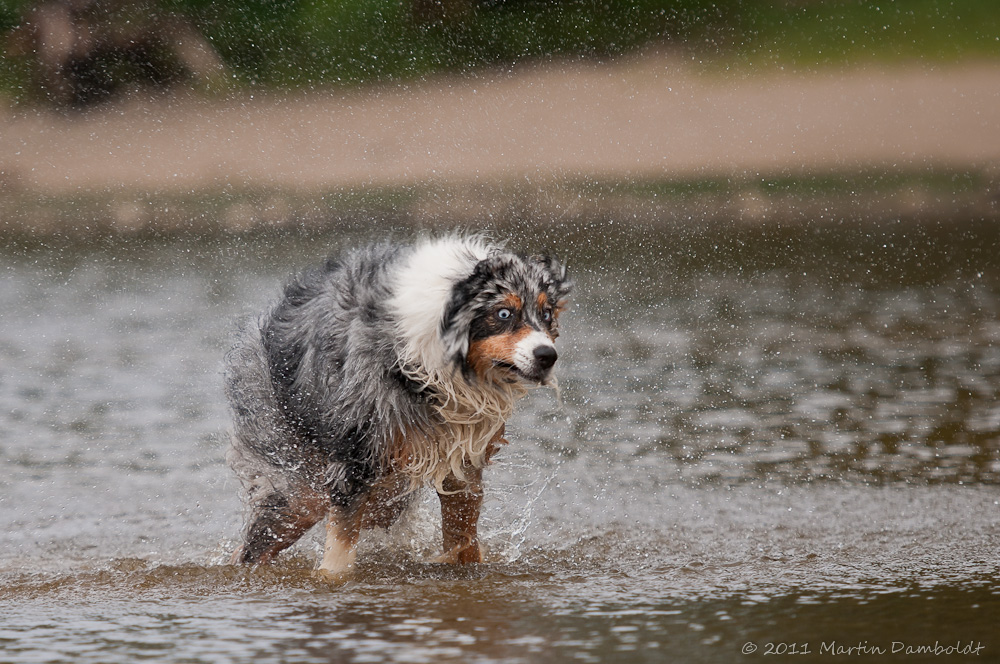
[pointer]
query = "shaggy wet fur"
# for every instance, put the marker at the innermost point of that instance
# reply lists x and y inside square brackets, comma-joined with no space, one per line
[382,370]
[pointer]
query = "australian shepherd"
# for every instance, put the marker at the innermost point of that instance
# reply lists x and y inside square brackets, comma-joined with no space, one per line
[387,368]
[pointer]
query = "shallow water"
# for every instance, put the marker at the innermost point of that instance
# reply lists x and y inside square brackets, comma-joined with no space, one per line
[787,438]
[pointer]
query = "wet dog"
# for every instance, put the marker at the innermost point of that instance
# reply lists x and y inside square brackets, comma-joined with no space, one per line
[386,369]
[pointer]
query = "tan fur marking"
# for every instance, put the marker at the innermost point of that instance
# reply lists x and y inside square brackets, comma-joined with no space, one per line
[543,304]
[556,310]
[383,504]
[496,442]
[385,501]
[512,301]
[461,502]
[306,509]
[400,452]
[483,352]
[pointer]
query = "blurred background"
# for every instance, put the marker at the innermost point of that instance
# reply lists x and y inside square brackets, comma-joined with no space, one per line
[296,43]
[271,112]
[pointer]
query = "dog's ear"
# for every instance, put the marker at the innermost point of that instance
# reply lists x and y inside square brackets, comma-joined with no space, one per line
[460,312]
[557,283]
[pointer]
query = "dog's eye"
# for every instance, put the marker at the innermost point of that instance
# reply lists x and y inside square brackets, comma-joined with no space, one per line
[547,315]
[505,314]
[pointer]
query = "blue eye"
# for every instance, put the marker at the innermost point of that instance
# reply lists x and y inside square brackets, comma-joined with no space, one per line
[547,315]
[505,314]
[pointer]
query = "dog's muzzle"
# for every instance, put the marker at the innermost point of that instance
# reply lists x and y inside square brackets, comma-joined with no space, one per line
[534,356]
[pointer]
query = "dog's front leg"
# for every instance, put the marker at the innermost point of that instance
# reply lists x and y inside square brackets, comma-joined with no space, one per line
[460,505]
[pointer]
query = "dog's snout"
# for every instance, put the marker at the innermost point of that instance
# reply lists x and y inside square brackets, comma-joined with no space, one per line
[545,356]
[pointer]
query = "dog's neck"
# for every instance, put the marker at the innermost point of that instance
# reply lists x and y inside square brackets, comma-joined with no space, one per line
[470,413]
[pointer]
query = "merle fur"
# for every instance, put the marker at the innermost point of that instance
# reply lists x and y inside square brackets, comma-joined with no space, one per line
[318,390]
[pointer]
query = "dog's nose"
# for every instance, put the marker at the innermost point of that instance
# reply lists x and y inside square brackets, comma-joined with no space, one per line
[545,356]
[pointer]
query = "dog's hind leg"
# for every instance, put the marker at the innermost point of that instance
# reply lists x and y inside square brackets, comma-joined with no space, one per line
[276,522]
[342,533]
[379,507]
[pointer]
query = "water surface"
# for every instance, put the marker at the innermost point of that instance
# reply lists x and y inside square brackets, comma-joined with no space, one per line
[788,438]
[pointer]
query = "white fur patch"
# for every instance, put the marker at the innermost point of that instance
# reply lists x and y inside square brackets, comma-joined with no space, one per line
[524,351]
[423,289]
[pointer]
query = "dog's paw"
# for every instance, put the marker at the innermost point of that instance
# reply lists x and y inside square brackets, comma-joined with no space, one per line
[462,555]
[334,577]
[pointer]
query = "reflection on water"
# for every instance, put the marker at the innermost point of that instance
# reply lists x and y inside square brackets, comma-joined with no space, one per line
[510,613]
[765,436]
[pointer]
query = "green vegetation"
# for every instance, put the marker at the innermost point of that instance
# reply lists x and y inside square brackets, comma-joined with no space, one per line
[839,32]
[328,42]
[302,42]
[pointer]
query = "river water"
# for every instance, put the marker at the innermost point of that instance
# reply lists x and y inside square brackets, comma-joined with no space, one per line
[768,440]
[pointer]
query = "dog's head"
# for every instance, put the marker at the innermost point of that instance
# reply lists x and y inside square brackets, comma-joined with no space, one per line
[502,319]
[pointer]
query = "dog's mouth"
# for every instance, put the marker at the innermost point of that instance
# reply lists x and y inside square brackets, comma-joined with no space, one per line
[513,373]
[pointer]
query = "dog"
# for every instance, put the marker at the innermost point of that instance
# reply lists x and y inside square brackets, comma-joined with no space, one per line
[386,369]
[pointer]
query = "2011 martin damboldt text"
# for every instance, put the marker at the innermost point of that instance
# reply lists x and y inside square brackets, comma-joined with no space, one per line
[862,648]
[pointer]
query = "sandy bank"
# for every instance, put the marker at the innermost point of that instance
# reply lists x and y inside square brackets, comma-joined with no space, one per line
[647,117]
